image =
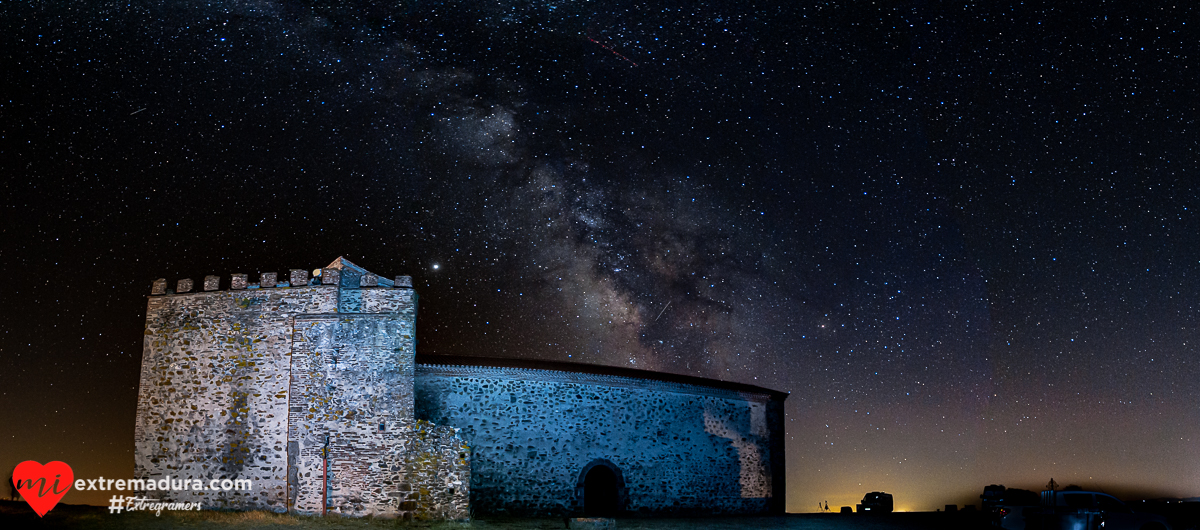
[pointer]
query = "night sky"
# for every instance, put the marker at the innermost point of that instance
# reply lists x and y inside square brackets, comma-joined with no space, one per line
[963,236]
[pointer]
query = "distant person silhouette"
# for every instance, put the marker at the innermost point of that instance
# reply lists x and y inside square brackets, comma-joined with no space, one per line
[826,505]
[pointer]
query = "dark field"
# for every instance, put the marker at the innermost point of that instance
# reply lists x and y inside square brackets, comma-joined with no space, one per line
[19,515]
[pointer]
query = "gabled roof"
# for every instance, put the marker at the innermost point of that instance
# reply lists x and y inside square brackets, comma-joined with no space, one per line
[345,265]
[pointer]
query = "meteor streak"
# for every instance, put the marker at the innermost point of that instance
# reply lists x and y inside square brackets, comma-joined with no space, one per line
[614,52]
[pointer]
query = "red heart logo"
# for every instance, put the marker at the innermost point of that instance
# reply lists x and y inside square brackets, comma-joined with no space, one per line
[43,486]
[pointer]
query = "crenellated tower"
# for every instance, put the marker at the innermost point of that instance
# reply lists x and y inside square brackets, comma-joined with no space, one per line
[303,386]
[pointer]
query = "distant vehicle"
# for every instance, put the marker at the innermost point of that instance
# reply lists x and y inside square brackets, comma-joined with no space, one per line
[876,502]
[992,496]
[1005,505]
[1068,510]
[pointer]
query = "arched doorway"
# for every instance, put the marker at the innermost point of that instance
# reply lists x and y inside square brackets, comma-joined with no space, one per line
[600,493]
[601,489]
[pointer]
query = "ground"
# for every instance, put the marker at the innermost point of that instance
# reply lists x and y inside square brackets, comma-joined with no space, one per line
[19,515]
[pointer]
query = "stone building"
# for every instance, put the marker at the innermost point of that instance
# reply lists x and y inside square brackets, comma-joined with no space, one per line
[312,389]
[555,438]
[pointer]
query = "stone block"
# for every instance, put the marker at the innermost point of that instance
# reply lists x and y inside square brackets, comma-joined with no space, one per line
[404,281]
[159,286]
[350,279]
[331,276]
[184,285]
[369,280]
[212,283]
[299,277]
[591,523]
[239,281]
[268,280]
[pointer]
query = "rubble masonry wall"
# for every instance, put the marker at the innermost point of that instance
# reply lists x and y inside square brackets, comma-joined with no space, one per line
[249,384]
[678,448]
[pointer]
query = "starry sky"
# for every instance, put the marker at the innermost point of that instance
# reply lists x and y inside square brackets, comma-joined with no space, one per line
[962,235]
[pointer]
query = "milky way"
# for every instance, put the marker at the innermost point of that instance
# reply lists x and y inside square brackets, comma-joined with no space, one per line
[959,236]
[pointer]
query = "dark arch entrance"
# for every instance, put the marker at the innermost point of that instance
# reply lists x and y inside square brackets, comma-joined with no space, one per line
[600,493]
[601,489]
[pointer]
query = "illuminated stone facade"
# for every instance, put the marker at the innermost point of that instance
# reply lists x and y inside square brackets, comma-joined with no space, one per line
[677,445]
[304,388]
[312,390]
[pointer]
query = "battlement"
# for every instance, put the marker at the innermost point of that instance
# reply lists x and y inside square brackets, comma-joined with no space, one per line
[341,273]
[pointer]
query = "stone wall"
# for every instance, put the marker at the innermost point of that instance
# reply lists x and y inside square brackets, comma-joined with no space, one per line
[676,448]
[213,391]
[305,388]
[352,400]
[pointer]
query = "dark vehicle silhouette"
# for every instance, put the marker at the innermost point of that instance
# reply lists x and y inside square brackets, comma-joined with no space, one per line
[1093,509]
[877,502]
[1070,510]
[992,496]
[1005,507]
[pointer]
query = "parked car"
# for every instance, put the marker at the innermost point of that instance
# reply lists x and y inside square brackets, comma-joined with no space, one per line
[876,502]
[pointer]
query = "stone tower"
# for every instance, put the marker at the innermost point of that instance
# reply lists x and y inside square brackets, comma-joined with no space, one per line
[304,387]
